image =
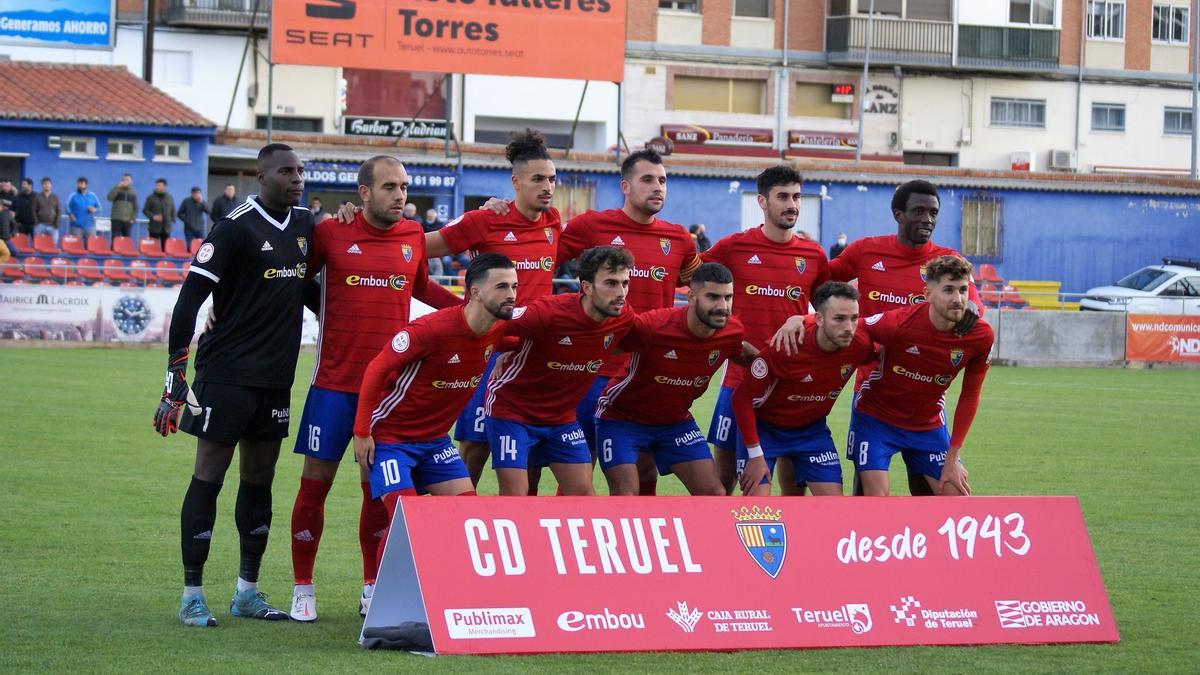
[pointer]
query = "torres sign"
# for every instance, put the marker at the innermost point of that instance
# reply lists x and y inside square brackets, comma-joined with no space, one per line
[575,39]
[585,574]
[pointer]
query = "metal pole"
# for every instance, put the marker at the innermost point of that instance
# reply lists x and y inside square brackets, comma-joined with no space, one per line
[862,88]
[575,124]
[271,82]
[242,65]
[148,40]
[448,97]
[620,92]
[1195,84]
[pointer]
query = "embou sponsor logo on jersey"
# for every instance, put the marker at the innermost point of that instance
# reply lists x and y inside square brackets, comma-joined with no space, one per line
[791,292]
[657,273]
[545,263]
[573,621]
[457,384]
[813,398]
[489,622]
[590,366]
[941,380]
[296,272]
[396,282]
[887,296]
[682,381]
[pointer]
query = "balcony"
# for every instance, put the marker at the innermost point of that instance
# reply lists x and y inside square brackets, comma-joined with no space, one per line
[234,14]
[893,41]
[997,47]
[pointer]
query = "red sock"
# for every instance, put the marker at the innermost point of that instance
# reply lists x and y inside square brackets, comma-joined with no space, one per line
[373,519]
[389,501]
[648,488]
[308,521]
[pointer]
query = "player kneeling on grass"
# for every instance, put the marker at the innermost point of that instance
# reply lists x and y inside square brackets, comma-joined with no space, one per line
[413,390]
[901,406]
[781,407]
[534,390]
[646,406]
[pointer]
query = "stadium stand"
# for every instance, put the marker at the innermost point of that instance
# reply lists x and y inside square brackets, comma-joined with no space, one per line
[177,249]
[114,270]
[168,273]
[89,270]
[196,243]
[44,244]
[149,247]
[141,271]
[99,246]
[13,271]
[72,244]
[123,246]
[21,241]
[62,270]
[36,269]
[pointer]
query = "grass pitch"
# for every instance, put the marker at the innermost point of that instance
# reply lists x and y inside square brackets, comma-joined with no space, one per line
[89,517]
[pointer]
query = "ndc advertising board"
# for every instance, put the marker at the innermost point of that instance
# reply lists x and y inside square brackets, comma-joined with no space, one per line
[496,575]
[573,39]
[38,23]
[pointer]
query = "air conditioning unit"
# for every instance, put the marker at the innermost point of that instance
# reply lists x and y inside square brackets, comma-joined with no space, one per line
[1021,161]
[1064,160]
[54,142]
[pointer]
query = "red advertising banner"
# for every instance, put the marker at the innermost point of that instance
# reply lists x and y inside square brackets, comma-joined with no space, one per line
[1162,337]
[708,140]
[575,39]
[493,575]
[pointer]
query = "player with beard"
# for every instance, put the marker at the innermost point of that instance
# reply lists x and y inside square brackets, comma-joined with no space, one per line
[775,273]
[253,263]
[645,409]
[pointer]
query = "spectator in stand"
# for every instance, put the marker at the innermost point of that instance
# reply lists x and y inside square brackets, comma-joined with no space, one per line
[316,208]
[702,242]
[410,211]
[8,224]
[160,210]
[23,208]
[225,203]
[47,210]
[82,208]
[193,212]
[836,249]
[5,253]
[124,206]
[437,266]
[7,191]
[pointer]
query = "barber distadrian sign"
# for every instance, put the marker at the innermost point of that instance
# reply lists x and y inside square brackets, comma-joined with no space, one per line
[503,575]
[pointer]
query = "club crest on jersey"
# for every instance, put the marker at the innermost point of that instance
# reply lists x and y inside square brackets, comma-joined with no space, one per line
[801,264]
[846,369]
[302,242]
[664,245]
[922,272]
[713,356]
[406,251]
[764,536]
[487,352]
[608,340]
[956,356]
[549,234]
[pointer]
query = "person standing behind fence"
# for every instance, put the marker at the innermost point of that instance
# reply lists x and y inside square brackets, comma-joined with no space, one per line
[81,209]
[8,224]
[225,203]
[47,210]
[23,207]
[160,210]
[193,212]
[124,206]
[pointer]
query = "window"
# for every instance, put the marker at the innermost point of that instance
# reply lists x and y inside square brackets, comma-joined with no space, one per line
[170,151]
[839,7]
[1184,288]
[884,7]
[929,10]
[310,124]
[719,94]
[1170,24]
[72,146]
[1108,117]
[931,158]
[813,100]
[1018,112]
[692,6]
[1106,19]
[981,226]
[760,9]
[124,148]
[1177,121]
[1032,12]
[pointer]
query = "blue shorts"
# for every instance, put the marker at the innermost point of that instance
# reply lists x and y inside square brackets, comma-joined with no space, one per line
[872,442]
[516,445]
[810,448]
[400,466]
[621,441]
[585,412]
[722,432]
[327,426]
[470,425]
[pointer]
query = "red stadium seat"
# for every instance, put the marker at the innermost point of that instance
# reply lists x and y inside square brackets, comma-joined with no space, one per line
[167,272]
[44,243]
[72,244]
[987,273]
[1011,297]
[177,249]
[99,246]
[150,247]
[141,271]
[62,269]
[124,246]
[196,243]
[21,241]
[36,269]
[13,271]
[89,270]
[114,270]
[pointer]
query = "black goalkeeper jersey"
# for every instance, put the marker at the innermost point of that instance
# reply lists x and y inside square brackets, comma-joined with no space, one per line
[260,267]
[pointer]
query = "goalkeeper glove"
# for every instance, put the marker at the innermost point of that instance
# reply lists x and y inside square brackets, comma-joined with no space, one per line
[176,393]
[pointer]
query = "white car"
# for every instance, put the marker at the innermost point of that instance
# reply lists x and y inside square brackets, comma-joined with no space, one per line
[1170,288]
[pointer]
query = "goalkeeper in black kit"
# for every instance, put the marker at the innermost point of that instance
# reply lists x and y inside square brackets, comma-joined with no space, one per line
[254,264]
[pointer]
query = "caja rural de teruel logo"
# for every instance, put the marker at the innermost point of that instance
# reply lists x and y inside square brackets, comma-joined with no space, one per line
[764,535]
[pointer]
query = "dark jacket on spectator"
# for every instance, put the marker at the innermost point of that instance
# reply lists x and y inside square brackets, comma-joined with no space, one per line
[193,213]
[47,209]
[124,203]
[162,205]
[23,210]
[221,207]
[8,224]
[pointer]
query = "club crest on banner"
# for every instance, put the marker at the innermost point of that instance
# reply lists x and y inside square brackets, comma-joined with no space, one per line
[763,534]
[302,242]
[713,356]
[665,245]
[406,251]
[801,264]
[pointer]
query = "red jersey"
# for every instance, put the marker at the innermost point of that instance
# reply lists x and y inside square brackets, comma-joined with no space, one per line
[555,362]
[370,278]
[771,282]
[889,274]
[415,388]
[531,244]
[790,392]
[664,256]
[917,363]
[669,367]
